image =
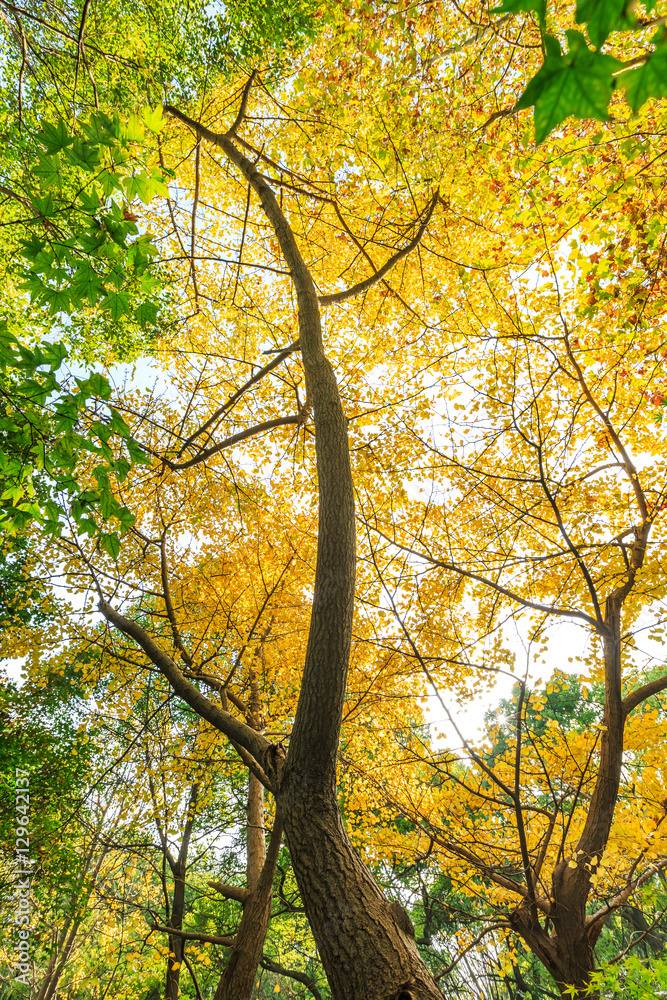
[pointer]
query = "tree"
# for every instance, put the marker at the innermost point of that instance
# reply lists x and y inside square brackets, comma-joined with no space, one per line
[449,309]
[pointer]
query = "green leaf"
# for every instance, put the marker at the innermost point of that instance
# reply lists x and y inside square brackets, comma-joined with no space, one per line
[578,83]
[146,313]
[58,300]
[44,205]
[99,386]
[118,304]
[111,544]
[153,120]
[86,526]
[644,82]
[87,284]
[132,130]
[126,518]
[601,17]
[110,182]
[48,168]
[121,467]
[83,154]
[90,201]
[136,452]
[108,503]
[140,186]
[538,7]
[13,493]
[55,137]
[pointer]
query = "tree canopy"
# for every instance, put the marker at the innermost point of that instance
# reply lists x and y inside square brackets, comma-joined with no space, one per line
[331,407]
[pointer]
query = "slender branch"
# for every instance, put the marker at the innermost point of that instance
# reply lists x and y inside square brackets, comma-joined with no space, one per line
[252,742]
[227,941]
[193,233]
[363,286]
[267,425]
[233,399]
[625,894]
[244,104]
[487,930]
[187,659]
[467,574]
[300,977]
[523,843]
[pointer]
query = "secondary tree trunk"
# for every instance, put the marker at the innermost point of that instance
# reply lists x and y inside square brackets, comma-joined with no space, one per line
[176,943]
[238,979]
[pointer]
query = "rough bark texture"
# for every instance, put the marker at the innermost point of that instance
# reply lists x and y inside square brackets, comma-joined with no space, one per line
[366,944]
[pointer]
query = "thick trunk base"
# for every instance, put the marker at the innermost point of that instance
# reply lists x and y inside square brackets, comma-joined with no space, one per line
[365,942]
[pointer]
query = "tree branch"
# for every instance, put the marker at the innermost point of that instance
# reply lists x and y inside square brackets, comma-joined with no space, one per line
[227,942]
[236,892]
[640,694]
[300,977]
[363,286]
[228,442]
[249,739]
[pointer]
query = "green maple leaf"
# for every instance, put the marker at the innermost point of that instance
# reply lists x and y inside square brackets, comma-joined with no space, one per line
[55,137]
[578,83]
[48,168]
[153,120]
[111,544]
[649,80]
[601,17]
[118,304]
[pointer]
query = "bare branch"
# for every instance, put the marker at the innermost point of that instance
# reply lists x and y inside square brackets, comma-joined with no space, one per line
[363,286]
[233,399]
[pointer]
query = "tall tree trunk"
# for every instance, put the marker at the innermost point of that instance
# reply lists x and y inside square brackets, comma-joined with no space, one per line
[238,979]
[240,972]
[179,867]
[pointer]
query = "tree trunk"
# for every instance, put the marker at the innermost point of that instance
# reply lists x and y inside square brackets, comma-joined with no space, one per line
[238,979]
[240,972]
[568,953]
[366,943]
[176,943]
[365,953]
